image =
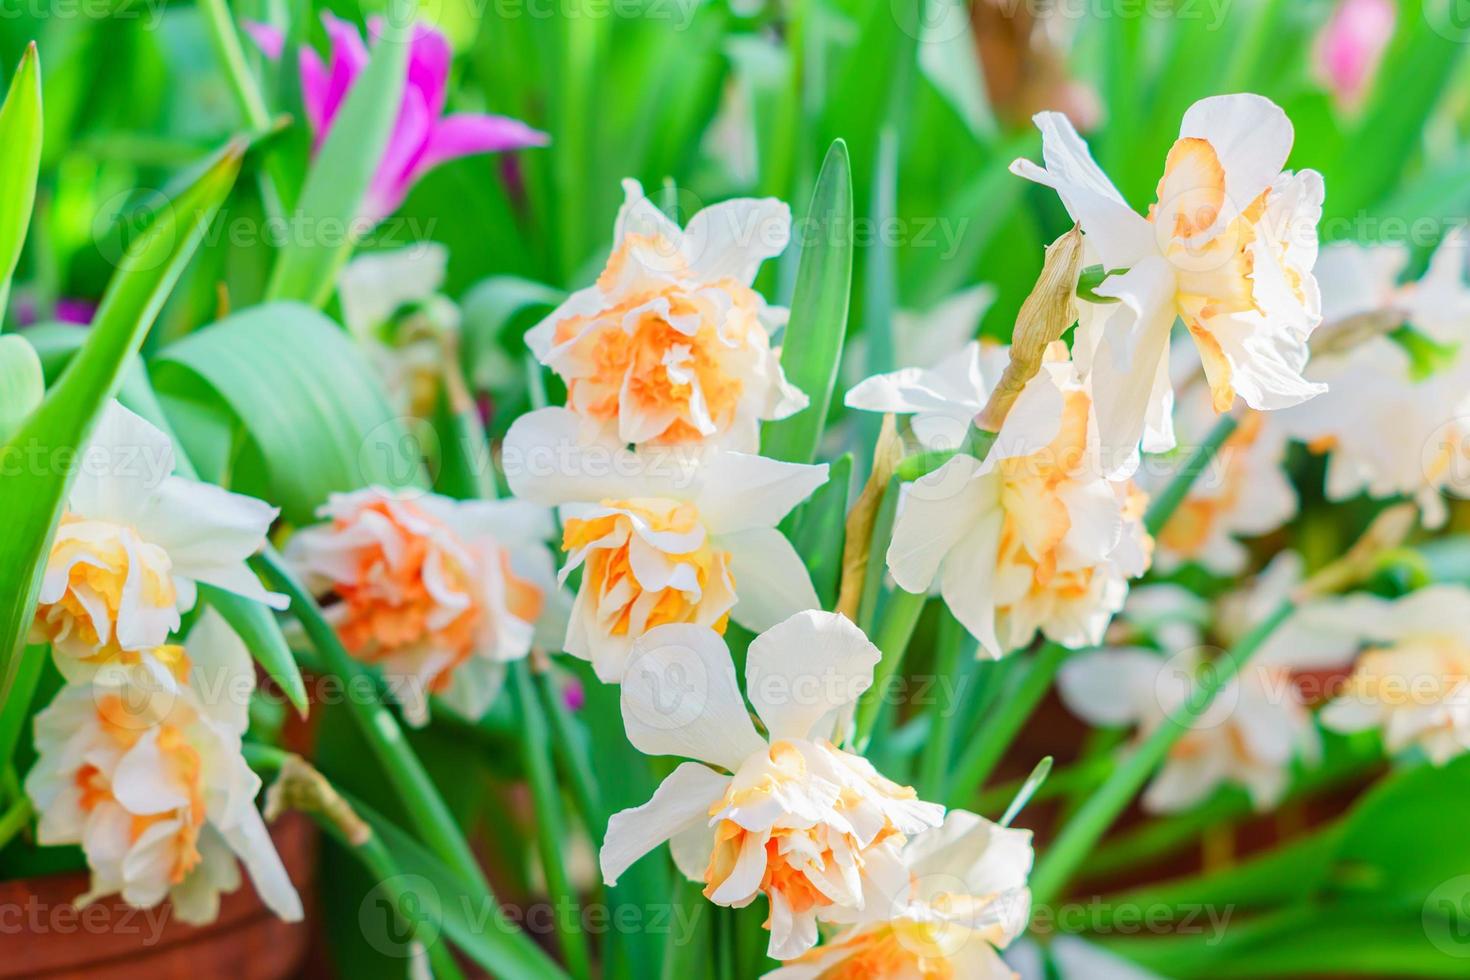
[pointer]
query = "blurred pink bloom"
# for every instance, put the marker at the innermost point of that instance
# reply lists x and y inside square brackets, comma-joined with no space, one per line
[422,137]
[573,694]
[1351,45]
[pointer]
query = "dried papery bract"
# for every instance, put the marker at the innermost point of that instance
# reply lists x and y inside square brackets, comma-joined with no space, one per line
[863,515]
[299,786]
[1387,532]
[1045,315]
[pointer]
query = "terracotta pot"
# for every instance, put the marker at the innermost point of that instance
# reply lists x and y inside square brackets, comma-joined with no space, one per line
[43,935]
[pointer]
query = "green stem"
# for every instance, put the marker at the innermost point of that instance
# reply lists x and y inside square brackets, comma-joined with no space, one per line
[425,807]
[536,756]
[18,703]
[14,819]
[900,617]
[947,659]
[1015,706]
[571,755]
[1079,776]
[1103,807]
[232,58]
[1163,506]
[267,760]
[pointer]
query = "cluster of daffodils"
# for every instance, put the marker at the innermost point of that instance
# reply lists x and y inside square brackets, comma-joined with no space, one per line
[139,755]
[669,520]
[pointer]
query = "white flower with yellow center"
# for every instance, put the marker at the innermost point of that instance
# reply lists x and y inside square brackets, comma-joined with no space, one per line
[672,345]
[787,815]
[1388,428]
[1228,247]
[151,784]
[666,535]
[1244,492]
[132,546]
[1258,726]
[440,593]
[1034,538]
[1414,683]
[958,895]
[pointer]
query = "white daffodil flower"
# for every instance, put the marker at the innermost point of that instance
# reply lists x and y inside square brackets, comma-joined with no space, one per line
[440,593]
[1259,723]
[151,784]
[787,815]
[666,535]
[1228,247]
[924,337]
[1389,430]
[1414,682]
[408,351]
[959,895]
[672,345]
[1035,537]
[1244,492]
[133,544]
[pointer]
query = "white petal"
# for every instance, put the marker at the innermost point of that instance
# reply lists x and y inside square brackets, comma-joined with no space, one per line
[933,513]
[771,580]
[1119,234]
[739,490]
[220,671]
[1135,339]
[249,839]
[802,669]
[1112,687]
[680,698]
[126,460]
[730,240]
[1252,138]
[681,801]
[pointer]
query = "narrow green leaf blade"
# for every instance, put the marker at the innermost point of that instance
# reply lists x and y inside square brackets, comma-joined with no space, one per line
[33,500]
[326,223]
[812,347]
[20,160]
[22,383]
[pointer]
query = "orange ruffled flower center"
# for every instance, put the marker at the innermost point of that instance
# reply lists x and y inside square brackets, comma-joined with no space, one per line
[647,364]
[624,604]
[102,557]
[389,604]
[125,726]
[897,949]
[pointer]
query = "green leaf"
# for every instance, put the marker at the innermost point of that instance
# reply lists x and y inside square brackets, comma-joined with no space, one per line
[326,225]
[34,499]
[20,159]
[22,383]
[812,346]
[262,636]
[308,400]
[821,529]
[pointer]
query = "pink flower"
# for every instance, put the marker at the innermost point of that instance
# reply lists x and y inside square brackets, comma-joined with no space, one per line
[423,137]
[1351,45]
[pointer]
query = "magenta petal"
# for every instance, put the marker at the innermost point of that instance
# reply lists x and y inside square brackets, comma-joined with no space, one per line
[349,57]
[315,85]
[428,67]
[467,134]
[270,41]
[392,181]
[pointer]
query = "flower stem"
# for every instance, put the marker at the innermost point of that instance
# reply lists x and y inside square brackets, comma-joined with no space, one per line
[1163,506]
[1083,832]
[951,649]
[1014,708]
[571,754]
[536,757]
[900,616]
[425,807]
[15,818]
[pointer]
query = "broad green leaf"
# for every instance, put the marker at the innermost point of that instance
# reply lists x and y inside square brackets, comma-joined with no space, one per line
[812,346]
[326,224]
[20,159]
[821,529]
[309,402]
[261,633]
[22,383]
[33,500]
